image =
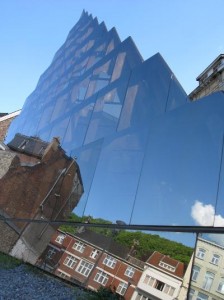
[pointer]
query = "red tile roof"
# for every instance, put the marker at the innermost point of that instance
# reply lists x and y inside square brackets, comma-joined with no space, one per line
[166,263]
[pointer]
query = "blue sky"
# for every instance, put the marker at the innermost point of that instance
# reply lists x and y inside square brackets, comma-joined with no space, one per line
[188,34]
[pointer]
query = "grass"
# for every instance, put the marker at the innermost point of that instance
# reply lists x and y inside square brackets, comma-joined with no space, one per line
[8,262]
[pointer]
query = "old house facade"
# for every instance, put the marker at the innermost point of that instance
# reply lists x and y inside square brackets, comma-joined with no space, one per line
[207,278]
[161,279]
[38,184]
[210,80]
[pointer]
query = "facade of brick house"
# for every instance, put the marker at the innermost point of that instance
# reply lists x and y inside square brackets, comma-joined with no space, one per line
[92,260]
[38,183]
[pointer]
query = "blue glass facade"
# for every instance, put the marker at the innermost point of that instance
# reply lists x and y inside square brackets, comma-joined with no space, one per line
[147,154]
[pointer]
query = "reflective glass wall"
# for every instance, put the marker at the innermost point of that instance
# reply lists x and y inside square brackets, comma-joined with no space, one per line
[144,150]
[147,155]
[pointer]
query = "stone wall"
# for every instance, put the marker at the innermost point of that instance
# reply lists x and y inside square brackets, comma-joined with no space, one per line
[5,121]
[8,237]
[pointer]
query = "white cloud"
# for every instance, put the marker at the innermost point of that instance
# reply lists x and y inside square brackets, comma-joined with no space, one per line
[204,215]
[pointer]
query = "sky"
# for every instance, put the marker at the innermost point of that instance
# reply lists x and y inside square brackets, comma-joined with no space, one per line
[188,34]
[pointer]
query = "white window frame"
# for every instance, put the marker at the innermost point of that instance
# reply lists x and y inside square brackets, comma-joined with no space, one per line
[141,297]
[122,288]
[84,268]
[168,289]
[195,272]
[208,281]
[221,286]
[101,277]
[191,294]
[166,266]
[202,296]
[110,261]
[149,280]
[130,271]
[94,253]
[63,275]
[200,253]
[215,259]
[70,261]
[79,246]
[60,238]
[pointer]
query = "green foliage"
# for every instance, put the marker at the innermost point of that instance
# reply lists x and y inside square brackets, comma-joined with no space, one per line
[73,228]
[145,243]
[8,262]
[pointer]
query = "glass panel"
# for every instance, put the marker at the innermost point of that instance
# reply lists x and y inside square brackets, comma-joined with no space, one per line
[87,158]
[182,157]
[117,177]
[106,113]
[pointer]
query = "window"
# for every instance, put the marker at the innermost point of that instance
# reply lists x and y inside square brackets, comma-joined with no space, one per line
[51,253]
[208,280]
[166,266]
[70,261]
[221,286]
[141,297]
[200,253]
[149,280]
[215,259]
[63,275]
[94,253]
[202,297]
[23,144]
[84,268]
[101,277]
[60,238]
[195,273]
[159,285]
[191,294]
[79,246]
[168,289]
[129,271]
[110,261]
[122,288]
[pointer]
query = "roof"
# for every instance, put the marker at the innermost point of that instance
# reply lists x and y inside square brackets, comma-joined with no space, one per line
[167,264]
[103,242]
[107,244]
[28,145]
[209,67]
[5,116]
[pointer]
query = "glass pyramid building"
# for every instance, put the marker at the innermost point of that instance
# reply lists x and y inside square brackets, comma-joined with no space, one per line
[147,154]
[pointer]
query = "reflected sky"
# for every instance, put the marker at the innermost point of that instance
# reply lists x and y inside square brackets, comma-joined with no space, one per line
[147,155]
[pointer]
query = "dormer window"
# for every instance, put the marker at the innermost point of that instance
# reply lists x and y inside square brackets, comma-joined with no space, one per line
[167,266]
[23,144]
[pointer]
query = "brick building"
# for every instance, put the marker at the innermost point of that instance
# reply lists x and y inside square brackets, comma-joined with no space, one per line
[92,260]
[37,182]
[5,121]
